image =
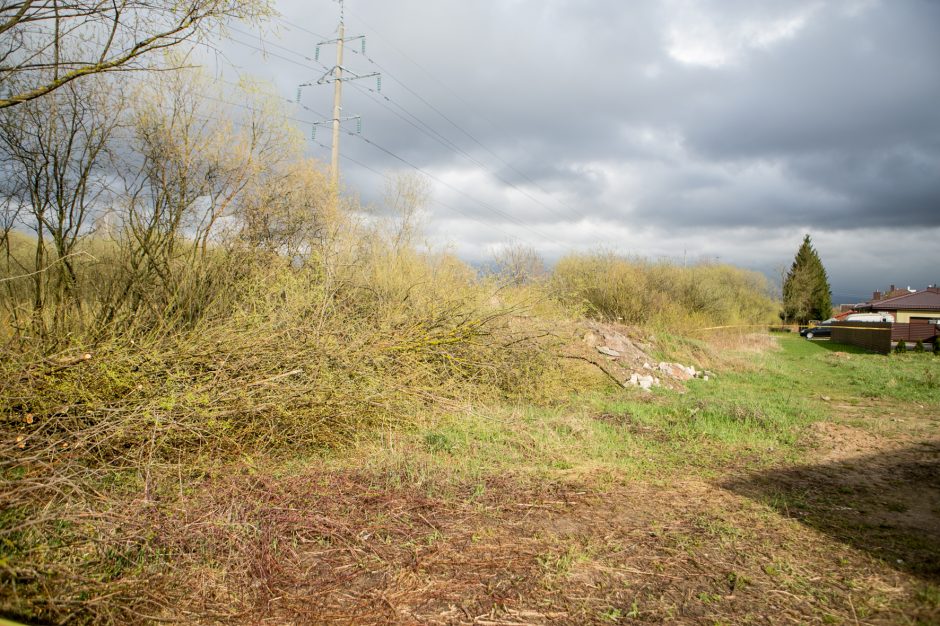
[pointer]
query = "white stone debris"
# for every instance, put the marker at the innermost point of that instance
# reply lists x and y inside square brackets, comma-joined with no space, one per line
[630,356]
[677,371]
[674,371]
[644,382]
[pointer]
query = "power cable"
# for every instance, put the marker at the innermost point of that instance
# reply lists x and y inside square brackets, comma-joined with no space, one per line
[439,180]
[430,132]
[205,96]
[422,126]
[432,201]
[444,116]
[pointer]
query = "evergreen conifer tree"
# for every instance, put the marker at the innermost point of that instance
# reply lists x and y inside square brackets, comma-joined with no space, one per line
[806,294]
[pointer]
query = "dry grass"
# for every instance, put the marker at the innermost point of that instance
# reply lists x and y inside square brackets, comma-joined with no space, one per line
[341,547]
[224,533]
[117,438]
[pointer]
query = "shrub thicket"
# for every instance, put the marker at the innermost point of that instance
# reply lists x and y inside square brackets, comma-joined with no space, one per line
[662,294]
[229,304]
[247,357]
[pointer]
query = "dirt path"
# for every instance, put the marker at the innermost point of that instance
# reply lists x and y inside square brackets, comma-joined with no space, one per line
[853,538]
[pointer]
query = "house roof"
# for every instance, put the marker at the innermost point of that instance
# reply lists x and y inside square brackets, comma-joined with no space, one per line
[926,300]
[894,293]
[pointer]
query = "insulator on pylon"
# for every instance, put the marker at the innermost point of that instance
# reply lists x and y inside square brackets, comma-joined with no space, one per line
[378,83]
[316,54]
[359,125]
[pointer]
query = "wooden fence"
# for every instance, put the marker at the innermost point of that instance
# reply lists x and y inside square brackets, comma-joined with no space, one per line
[880,336]
[912,333]
[874,336]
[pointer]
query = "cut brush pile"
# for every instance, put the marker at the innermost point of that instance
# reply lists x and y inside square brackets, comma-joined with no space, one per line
[90,430]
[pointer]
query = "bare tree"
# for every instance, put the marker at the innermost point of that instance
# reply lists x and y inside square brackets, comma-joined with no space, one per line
[188,167]
[45,44]
[54,152]
[406,196]
[519,264]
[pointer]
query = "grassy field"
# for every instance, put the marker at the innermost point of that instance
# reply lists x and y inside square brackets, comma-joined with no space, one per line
[801,484]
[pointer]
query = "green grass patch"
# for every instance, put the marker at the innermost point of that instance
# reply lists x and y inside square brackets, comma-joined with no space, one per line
[843,371]
[749,417]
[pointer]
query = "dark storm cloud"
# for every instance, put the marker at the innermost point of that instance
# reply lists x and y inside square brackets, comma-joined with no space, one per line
[848,108]
[853,84]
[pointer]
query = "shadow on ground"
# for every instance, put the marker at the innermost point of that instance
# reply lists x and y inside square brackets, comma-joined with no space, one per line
[887,504]
[832,346]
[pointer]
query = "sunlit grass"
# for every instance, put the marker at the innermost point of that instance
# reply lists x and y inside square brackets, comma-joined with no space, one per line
[750,416]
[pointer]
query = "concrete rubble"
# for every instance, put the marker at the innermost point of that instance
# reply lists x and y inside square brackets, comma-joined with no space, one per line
[674,371]
[629,360]
[645,382]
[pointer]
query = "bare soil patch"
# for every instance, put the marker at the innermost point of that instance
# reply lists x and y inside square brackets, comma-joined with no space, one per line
[353,548]
[332,547]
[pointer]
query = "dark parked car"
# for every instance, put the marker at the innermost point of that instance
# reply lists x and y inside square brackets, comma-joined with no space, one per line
[823,329]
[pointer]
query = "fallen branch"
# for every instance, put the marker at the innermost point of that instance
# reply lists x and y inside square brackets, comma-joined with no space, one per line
[595,364]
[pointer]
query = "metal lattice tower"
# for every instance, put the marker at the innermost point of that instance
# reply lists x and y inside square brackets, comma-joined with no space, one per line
[338,74]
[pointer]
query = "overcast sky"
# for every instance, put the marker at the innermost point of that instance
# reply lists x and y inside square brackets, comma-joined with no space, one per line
[670,128]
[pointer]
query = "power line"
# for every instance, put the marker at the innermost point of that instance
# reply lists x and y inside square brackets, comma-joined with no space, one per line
[285,99]
[445,117]
[457,190]
[447,143]
[271,43]
[428,130]
[273,54]
[291,25]
[417,168]
[205,96]
[206,119]
[431,201]
[422,127]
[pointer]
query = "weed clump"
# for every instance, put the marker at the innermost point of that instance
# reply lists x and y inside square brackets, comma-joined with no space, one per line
[901,348]
[293,365]
[663,294]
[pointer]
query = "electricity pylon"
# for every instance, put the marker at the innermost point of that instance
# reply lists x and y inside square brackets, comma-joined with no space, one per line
[338,74]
